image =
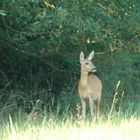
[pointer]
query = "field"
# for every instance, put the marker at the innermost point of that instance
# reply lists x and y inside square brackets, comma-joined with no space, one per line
[40,44]
[119,119]
[125,130]
[116,125]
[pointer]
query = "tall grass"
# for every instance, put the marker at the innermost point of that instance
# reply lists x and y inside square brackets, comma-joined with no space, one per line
[119,121]
[51,128]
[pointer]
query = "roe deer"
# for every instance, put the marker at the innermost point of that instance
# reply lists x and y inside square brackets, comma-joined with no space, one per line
[89,86]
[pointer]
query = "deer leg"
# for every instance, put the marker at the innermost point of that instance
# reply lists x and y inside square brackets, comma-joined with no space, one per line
[83,101]
[92,107]
[98,106]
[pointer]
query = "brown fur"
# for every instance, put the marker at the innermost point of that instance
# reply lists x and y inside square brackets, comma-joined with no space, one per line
[89,86]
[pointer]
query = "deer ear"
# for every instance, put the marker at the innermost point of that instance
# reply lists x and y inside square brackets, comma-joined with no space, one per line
[91,55]
[81,56]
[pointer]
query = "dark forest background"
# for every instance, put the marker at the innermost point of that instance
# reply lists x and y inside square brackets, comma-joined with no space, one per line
[40,42]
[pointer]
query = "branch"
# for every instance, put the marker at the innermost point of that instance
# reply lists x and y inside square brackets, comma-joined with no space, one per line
[29,54]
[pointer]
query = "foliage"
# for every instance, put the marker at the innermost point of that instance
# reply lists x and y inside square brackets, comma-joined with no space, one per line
[40,41]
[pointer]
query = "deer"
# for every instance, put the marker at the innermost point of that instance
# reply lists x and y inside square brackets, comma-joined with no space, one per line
[89,86]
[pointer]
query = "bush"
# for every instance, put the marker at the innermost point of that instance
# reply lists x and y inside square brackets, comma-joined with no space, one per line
[40,43]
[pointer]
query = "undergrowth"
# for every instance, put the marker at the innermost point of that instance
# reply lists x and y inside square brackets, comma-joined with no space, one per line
[60,118]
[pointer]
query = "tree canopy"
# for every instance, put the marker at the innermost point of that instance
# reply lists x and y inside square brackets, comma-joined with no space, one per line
[40,42]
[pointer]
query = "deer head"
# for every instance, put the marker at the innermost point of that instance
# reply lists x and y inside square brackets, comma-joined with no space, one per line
[86,63]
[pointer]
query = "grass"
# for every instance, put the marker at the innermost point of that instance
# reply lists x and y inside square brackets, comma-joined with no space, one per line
[125,130]
[120,121]
[116,126]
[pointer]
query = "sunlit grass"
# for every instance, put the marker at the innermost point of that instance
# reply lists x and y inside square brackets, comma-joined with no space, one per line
[115,128]
[118,122]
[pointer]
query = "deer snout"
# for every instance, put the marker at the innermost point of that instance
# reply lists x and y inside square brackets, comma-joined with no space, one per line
[93,69]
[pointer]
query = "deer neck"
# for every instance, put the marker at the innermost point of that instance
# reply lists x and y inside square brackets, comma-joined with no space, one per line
[83,78]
